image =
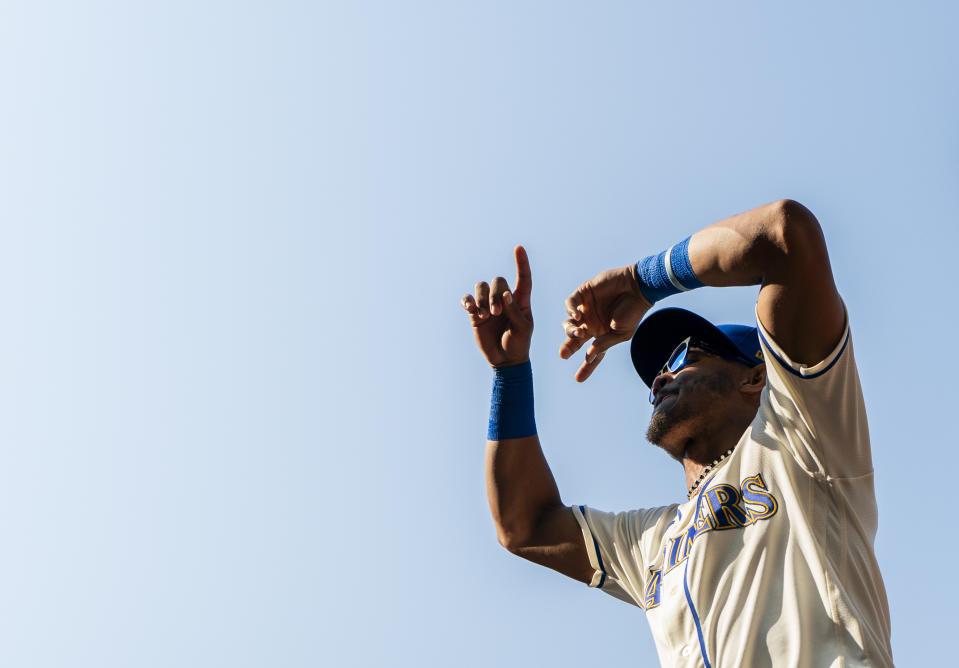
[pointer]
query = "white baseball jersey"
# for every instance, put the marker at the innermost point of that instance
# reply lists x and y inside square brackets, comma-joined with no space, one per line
[771,562]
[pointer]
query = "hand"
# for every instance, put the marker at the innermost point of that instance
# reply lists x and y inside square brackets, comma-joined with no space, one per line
[503,321]
[606,308]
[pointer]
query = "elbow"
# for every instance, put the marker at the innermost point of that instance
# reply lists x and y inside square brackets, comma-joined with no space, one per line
[793,213]
[795,231]
[521,532]
[510,540]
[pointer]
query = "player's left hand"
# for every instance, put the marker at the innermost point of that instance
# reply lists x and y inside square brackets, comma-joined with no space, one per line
[502,320]
[607,308]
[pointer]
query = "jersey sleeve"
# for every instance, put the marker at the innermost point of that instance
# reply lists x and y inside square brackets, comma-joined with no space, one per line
[817,411]
[619,546]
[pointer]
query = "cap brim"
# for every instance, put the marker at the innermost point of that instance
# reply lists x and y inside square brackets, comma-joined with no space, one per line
[659,334]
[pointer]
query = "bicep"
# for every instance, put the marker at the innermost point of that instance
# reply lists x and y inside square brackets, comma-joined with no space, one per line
[798,302]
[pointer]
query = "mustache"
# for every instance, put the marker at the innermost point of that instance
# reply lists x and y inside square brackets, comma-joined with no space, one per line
[662,394]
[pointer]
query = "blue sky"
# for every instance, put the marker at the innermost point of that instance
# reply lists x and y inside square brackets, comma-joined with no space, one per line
[242,417]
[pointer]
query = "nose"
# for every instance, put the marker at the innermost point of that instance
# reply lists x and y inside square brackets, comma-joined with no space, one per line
[657,385]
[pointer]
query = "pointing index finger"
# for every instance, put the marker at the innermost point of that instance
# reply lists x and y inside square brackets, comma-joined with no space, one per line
[524,277]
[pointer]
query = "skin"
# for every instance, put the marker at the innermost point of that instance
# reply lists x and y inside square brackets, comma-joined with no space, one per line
[703,406]
[703,409]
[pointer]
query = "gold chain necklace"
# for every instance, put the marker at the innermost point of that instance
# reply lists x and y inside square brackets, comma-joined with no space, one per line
[702,476]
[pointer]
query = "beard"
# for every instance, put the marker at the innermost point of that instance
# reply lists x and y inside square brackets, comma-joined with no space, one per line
[673,428]
[663,423]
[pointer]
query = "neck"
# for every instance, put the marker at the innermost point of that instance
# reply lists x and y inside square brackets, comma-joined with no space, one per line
[700,453]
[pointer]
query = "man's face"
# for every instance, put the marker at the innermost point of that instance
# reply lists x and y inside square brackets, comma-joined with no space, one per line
[689,401]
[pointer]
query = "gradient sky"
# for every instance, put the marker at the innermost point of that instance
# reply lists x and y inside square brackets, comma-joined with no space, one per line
[242,416]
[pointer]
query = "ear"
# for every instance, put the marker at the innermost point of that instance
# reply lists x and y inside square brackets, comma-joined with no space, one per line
[754,380]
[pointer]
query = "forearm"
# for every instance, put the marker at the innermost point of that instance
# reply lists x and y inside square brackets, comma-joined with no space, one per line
[519,483]
[520,488]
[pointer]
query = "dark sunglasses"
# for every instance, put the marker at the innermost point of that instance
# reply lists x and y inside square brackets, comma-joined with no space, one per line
[679,358]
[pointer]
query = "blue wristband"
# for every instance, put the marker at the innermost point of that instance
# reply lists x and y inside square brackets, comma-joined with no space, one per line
[511,406]
[668,273]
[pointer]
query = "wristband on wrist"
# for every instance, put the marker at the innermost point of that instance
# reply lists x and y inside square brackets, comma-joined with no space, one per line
[511,405]
[666,274]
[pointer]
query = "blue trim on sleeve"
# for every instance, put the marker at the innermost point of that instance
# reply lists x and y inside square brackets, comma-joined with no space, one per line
[784,364]
[599,557]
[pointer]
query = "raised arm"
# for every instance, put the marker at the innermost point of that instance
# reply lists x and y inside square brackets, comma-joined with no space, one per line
[779,246]
[531,520]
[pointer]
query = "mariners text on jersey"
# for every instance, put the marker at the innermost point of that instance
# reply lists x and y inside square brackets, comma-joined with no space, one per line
[719,508]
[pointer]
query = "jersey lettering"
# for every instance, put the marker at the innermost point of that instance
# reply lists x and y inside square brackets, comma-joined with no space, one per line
[723,502]
[653,589]
[755,493]
[721,507]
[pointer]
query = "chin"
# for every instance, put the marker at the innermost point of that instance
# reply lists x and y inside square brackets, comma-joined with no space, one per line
[663,432]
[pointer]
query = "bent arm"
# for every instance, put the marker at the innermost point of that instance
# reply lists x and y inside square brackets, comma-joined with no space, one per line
[781,247]
[531,520]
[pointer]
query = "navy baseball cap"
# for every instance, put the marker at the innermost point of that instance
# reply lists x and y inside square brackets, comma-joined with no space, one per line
[658,335]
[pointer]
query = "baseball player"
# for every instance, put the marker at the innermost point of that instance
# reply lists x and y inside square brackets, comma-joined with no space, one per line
[767,559]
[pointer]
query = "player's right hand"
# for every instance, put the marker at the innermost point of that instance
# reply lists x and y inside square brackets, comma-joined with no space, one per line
[502,320]
[607,308]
